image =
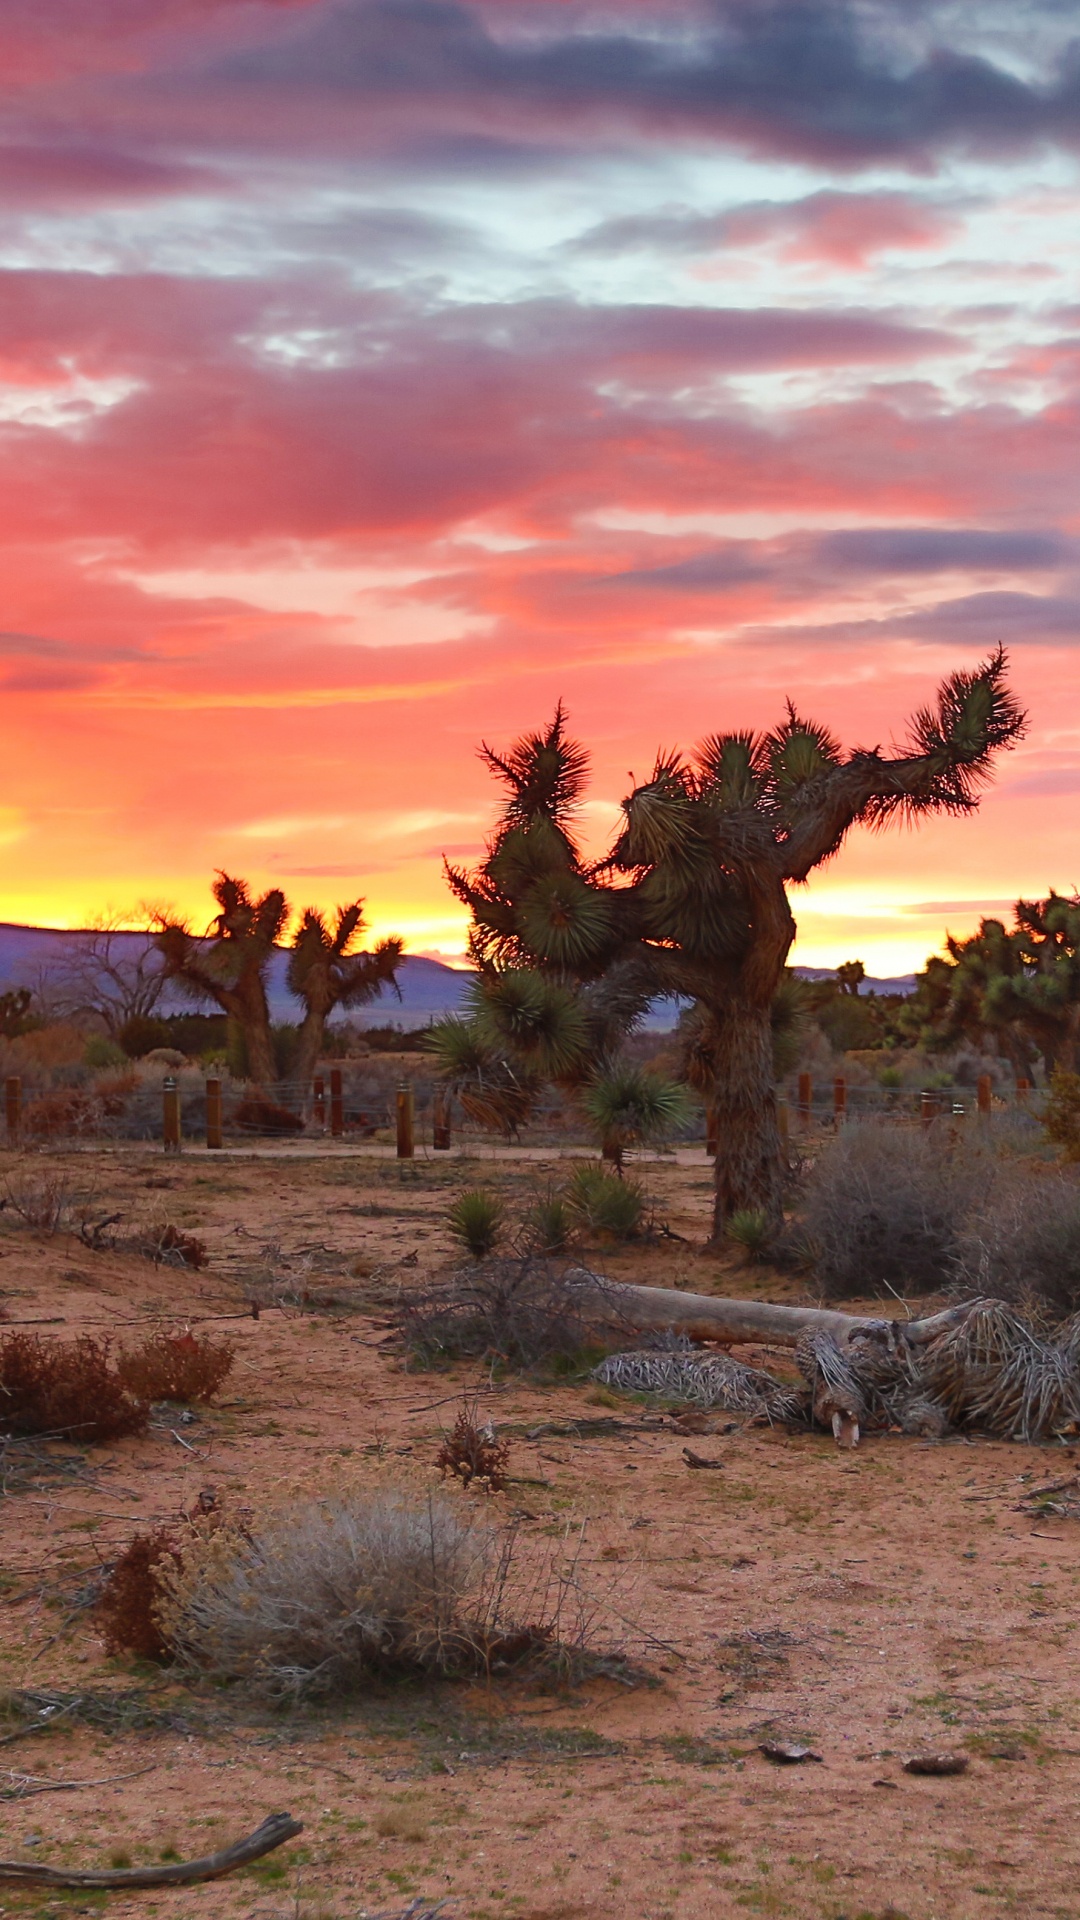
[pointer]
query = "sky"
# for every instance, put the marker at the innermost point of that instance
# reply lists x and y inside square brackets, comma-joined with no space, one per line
[375,373]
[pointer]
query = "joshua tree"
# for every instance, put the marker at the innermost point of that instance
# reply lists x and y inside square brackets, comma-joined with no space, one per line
[1021,988]
[692,900]
[229,964]
[324,974]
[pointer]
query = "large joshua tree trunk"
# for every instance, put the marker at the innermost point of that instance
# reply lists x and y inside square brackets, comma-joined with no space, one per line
[749,1163]
[749,1172]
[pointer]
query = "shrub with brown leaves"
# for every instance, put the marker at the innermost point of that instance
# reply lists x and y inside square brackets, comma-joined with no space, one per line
[65,1388]
[472,1452]
[128,1607]
[257,1114]
[180,1365]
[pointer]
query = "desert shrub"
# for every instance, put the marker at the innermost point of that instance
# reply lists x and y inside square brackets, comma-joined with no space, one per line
[883,1208]
[182,1366]
[331,1595]
[749,1230]
[1021,1242]
[471,1452]
[141,1034]
[257,1114]
[114,1090]
[605,1203]
[548,1225]
[170,1246]
[476,1220]
[100,1051]
[62,1113]
[44,1199]
[128,1606]
[65,1388]
[1061,1114]
[521,1309]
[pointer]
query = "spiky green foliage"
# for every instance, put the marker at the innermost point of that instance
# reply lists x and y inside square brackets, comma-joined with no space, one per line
[549,1223]
[228,964]
[631,1107]
[692,899]
[1061,1114]
[749,1229]
[603,1203]
[325,972]
[476,1220]
[1018,987]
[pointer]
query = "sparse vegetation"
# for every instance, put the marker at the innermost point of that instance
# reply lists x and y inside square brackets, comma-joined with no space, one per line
[603,1203]
[883,1208]
[476,1220]
[128,1607]
[472,1453]
[520,1309]
[65,1388]
[181,1366]
[333,1595]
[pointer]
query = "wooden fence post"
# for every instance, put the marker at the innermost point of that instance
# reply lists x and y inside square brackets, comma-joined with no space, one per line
[214,1134]
[1023,1087]
[170,1114]
[405,1122]
[337,1104]
[13,1108]
[806,1099]
[320,1101]
[986,1097]
[712,1132]
[440,1121]
[839,1099]
[929,1106]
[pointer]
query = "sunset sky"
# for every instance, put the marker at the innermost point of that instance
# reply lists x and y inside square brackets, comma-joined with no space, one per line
[374,373]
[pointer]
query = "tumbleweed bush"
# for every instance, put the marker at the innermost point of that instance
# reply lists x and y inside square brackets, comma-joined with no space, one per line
[177,1365]
[1021,1241]
[65,1388]
[334,1595]
[521,1309]
[883,1208]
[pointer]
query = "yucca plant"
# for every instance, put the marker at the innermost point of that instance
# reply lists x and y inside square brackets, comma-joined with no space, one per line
[750,1230]
[692,899]
[604,1203]
[476,1219]
[631,1107]
[229,964]
[549,1223]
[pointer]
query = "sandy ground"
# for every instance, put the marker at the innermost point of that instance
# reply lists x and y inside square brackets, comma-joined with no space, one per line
[871,1605]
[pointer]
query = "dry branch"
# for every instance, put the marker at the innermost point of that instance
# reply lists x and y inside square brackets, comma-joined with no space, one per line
[275,1830]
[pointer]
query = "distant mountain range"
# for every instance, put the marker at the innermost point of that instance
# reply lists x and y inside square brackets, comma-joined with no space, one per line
[428,988]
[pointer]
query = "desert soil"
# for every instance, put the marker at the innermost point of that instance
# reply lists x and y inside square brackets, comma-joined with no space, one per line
[869,1605]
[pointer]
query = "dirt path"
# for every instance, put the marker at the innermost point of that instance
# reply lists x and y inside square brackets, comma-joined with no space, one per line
[870,1605]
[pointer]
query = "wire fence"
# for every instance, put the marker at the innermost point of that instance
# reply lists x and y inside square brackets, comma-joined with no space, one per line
[187,1106]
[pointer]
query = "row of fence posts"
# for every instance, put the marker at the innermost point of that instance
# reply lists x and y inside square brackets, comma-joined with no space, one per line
[932,1105]
[172,1137]
[931,1108]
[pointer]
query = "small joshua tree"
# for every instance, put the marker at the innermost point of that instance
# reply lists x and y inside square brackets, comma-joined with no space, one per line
[324,974]
[229,964]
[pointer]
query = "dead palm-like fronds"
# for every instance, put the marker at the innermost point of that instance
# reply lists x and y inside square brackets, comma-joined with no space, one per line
[703,1380]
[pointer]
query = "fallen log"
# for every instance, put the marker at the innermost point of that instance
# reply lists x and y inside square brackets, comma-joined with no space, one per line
[278,1828]
[618,1307]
